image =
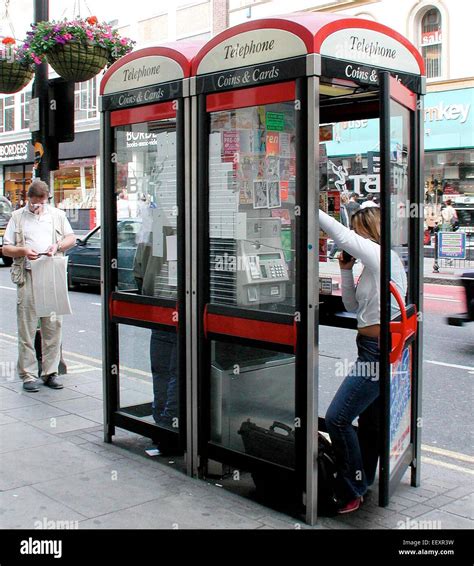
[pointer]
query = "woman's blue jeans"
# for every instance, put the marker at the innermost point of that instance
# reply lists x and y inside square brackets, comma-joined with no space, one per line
[358,396]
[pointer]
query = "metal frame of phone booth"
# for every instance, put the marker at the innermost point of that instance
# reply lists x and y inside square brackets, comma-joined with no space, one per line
[327,68]
[148,85]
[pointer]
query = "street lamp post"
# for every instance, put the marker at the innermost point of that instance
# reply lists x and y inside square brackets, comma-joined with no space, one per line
[40,138]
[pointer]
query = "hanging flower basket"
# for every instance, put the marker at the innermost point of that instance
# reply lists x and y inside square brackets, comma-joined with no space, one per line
[77,50]
[77,62]
[16,69]
[14,76]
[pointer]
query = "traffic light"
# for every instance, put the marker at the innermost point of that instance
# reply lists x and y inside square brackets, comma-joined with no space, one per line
[61,110]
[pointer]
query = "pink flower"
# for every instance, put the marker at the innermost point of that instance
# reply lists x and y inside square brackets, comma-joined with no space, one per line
[67,36]
[123,41]
[89,34]
[36,59]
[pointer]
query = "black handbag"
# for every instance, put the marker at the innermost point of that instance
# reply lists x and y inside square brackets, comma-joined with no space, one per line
[277,447]
[268,443]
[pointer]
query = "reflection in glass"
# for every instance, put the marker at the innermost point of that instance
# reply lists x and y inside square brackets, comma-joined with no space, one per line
[145,183]
[252,171]
[148,375]
[249,384]
[400,210]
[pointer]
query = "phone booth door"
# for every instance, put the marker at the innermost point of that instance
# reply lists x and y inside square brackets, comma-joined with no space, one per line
[401,232]
[144,245]
[249,276]
[145,125]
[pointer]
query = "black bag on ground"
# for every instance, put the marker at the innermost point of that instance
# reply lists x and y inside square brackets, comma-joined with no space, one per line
[279,448]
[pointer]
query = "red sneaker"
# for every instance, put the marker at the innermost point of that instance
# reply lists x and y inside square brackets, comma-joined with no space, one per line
[351,506]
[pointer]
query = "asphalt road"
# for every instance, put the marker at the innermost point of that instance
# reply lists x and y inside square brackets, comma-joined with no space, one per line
[448,356]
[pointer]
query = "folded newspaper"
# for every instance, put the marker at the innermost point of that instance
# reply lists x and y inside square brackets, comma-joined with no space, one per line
[49,280]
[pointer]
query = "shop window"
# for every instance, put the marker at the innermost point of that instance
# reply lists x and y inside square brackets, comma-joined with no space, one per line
[450,175]
[75,184]
[16,181]
[85,100]
[25,109]
[431,42]
[7,114]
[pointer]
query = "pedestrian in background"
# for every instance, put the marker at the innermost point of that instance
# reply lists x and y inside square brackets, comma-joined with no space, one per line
[449,216]
[369,202]
[37,229]
[352,206]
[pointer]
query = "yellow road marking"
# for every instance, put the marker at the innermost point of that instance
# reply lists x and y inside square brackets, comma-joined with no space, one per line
[447,465]
[448,453]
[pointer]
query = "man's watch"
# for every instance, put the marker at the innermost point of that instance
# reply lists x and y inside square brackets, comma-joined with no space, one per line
[59,247]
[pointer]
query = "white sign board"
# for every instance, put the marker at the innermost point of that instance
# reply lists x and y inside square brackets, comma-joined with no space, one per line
[34,115]
[145,71]
[251,48]
[370,47]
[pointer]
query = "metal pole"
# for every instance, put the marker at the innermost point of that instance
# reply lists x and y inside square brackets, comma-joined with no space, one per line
[435,256]
[40,90]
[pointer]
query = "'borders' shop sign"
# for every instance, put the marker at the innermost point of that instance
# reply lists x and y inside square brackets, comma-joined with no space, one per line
[16,151]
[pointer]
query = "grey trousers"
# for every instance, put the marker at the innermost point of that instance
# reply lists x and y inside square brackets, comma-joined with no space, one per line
[51,328]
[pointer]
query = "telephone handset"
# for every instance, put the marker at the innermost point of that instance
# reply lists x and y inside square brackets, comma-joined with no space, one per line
[254,267]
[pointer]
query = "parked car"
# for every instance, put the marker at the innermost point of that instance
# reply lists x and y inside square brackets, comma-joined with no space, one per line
[84,258]
[467,281]
[6,210]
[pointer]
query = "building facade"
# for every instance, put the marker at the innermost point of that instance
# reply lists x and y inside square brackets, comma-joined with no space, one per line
[437,27]
[75,185]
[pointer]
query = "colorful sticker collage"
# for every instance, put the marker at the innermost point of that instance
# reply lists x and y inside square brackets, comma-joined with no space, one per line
[263,159]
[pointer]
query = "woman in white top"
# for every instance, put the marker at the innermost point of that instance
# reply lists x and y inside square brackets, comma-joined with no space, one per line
[357,453]
[449,216]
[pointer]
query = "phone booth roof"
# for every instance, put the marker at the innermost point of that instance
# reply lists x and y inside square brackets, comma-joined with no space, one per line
[298,34]
[150,66]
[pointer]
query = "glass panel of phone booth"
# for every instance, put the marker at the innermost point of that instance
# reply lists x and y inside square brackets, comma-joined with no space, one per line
[146,192]
[252,169]
[145,181]
[400,212]
[400,156]
[148,375]
[349,162]
[249,385]
[252,173]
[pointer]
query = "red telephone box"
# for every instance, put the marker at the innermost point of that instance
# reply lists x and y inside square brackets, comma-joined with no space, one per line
[262,90]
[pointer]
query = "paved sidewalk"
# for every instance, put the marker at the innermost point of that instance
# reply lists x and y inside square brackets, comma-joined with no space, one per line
[56,472]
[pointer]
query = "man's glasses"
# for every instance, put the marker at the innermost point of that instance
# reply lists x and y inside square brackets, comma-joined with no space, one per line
[40,204]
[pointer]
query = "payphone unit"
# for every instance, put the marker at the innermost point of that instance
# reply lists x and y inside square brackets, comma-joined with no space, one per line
[264,271]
